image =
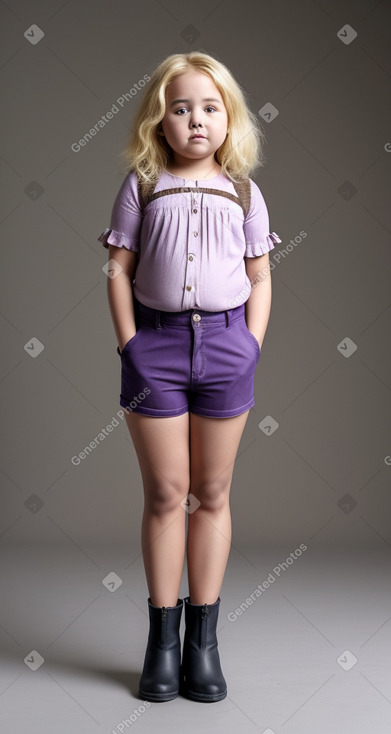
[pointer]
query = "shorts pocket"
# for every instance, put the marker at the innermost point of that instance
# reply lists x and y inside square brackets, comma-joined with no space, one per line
[129,343]
[252,337]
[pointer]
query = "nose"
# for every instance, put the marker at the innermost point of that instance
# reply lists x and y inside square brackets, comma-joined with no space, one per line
[195,119]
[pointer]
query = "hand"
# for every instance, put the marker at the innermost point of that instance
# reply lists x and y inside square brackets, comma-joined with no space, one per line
[129,338]
[255,337]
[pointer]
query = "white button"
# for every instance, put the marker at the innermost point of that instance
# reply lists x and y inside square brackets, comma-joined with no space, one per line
[196,317]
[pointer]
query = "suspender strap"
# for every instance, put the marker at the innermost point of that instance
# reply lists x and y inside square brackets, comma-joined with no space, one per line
[242,188]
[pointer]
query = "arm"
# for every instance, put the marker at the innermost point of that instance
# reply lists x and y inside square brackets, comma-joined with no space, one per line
[120,294]
[258,305]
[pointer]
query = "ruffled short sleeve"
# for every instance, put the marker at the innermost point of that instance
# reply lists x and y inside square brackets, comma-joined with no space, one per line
[126,217]
[256,226]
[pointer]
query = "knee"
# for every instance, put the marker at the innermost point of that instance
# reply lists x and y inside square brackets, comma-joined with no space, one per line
[213,495]
[165,497]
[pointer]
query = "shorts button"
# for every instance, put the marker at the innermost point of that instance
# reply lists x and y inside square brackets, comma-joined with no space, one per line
[196,317]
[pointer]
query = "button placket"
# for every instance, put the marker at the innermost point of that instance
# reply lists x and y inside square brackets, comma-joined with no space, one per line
[190,276]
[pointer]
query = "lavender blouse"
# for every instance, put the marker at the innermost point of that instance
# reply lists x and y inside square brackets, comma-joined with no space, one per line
[191,244]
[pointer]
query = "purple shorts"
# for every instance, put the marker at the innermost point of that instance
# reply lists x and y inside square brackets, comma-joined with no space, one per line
[189,361]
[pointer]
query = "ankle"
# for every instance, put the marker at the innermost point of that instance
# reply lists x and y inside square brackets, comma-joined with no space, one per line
[201,599]
[159,601]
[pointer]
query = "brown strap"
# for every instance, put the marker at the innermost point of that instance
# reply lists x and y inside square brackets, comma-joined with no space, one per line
[145,192]
[242,188]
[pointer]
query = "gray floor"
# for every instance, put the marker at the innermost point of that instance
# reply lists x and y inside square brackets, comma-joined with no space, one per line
[311,654]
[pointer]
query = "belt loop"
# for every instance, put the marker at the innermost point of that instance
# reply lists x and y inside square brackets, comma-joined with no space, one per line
[157,319]
[227,318]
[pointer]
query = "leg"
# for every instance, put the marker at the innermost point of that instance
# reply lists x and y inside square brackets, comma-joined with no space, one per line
[213,447]
[162,447]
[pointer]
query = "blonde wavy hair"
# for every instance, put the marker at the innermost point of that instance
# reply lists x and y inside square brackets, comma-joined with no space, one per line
[148,153]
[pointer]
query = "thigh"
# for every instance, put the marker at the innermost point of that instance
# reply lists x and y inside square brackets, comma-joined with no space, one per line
[214,443]
[162,448]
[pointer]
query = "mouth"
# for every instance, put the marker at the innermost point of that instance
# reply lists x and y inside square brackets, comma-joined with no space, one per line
[194,137]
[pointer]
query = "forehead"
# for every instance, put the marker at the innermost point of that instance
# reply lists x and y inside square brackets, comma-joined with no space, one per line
[194,83]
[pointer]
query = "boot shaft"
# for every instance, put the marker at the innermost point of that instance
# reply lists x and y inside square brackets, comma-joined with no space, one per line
[164,623]
[201,619]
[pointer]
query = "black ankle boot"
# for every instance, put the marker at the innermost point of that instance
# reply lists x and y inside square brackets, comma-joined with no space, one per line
[160,677]
[201,675]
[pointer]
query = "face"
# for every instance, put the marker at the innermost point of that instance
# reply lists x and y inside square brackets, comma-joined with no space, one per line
[203,112]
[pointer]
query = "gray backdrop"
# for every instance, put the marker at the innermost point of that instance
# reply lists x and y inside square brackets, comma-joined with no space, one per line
[313,470]
[324,374]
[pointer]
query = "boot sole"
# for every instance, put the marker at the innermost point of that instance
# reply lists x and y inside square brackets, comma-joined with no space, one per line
[202,697]
[158,697]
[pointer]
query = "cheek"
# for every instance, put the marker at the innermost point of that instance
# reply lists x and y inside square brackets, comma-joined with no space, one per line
[175,127]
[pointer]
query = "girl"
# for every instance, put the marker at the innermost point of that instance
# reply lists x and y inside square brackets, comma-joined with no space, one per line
[188,241]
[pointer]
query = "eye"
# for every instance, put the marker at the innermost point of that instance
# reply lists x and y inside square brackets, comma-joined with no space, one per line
[181,109]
